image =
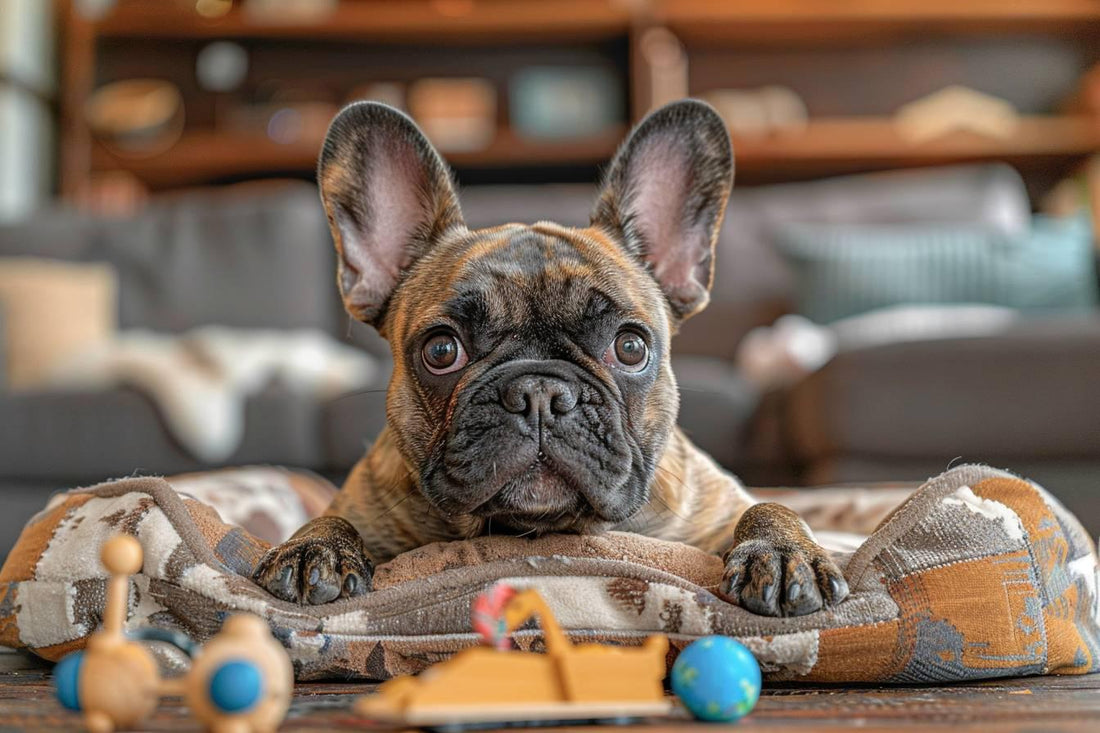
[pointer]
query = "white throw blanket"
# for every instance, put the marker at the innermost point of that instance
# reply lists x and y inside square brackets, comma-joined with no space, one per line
[201,380]
[782,354]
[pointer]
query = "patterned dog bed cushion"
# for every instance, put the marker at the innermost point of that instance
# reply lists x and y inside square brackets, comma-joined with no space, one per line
[978,574]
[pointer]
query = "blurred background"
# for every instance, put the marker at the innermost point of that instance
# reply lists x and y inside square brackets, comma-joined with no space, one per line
[906,277]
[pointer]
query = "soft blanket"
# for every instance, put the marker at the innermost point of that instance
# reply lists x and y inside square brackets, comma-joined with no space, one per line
[201,379]
[978,574]
[794,346]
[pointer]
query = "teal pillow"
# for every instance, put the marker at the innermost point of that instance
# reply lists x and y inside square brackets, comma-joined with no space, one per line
[843,270]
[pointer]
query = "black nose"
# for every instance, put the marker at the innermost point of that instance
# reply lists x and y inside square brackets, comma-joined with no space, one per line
[537,396]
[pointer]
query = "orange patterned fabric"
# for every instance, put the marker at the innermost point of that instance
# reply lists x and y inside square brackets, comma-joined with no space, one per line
[978,574]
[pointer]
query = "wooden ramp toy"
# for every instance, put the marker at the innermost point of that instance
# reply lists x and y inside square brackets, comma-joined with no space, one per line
[570,683]
[240,682]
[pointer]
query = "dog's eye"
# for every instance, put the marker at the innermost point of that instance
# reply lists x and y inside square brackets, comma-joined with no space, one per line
[443,354]
[627,352]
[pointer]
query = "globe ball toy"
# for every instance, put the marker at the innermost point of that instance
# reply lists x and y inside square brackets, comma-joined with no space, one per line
[717,679]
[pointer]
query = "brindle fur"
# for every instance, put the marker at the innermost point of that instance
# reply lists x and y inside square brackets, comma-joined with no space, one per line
[543,298]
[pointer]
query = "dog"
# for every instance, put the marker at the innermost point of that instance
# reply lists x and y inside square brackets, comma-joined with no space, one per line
[531,389]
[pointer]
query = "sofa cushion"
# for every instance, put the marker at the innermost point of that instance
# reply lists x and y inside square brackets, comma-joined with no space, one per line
[83,437]
[752,283]
[53,309]
[251,256]
[844,271]
[1030,392]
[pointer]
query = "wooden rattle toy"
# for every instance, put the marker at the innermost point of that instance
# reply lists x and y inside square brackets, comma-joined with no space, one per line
[240,682]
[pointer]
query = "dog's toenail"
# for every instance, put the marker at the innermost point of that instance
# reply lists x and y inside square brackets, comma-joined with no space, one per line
[284,575]
[314,576]
[351,583]
[769,592]
[794,590]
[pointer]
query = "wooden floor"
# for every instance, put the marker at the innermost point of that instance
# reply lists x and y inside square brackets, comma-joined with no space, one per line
[1054,704]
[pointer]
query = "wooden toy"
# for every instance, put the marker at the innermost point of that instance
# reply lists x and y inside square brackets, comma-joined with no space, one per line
[717,679]
[570,683]
[952,109]
[240,682]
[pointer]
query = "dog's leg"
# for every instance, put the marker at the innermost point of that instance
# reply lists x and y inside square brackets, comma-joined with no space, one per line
[774,567]
[322,561]
[378,514]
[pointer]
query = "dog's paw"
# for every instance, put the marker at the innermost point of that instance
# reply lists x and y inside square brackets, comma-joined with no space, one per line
[776,569]
[323,561]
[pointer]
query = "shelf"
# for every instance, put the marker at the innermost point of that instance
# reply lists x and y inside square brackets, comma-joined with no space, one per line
[842,145]
[826,147]
[1044,145]
[461,20]
[201,157]
[809,20]
[395,20]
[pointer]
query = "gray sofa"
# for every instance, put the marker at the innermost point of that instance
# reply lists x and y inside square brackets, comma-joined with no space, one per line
[259,255]
[253,256]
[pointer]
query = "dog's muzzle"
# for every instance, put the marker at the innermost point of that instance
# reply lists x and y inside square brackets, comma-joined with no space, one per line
[536,444]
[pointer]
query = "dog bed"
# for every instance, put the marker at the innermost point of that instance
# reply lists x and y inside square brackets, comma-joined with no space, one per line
[977,574]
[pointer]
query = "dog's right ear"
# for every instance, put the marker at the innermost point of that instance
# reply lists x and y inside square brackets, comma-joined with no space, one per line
[388,195]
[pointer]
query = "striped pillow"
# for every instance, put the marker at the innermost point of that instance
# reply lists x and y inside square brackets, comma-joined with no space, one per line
[846,270]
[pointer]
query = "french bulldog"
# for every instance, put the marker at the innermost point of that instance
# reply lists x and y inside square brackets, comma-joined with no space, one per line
[531,389]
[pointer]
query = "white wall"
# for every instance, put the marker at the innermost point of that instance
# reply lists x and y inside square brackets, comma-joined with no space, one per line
[26,126]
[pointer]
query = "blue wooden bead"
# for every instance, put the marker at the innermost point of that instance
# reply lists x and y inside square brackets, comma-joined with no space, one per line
[66,680]
[717,679]
[236,686]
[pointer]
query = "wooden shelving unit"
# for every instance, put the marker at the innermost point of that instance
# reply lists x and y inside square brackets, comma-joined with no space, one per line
[826,146]
[206,156]
[810,20]
[459,19]
[722,35]
[417,20]
[851,144]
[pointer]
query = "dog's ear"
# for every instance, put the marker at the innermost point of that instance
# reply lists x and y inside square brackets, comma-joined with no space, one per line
[664,196]
[388,195]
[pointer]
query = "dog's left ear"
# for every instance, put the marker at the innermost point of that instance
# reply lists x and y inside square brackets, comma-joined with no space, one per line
[664,196]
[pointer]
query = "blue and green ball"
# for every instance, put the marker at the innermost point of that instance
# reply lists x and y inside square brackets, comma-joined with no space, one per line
[717,679]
